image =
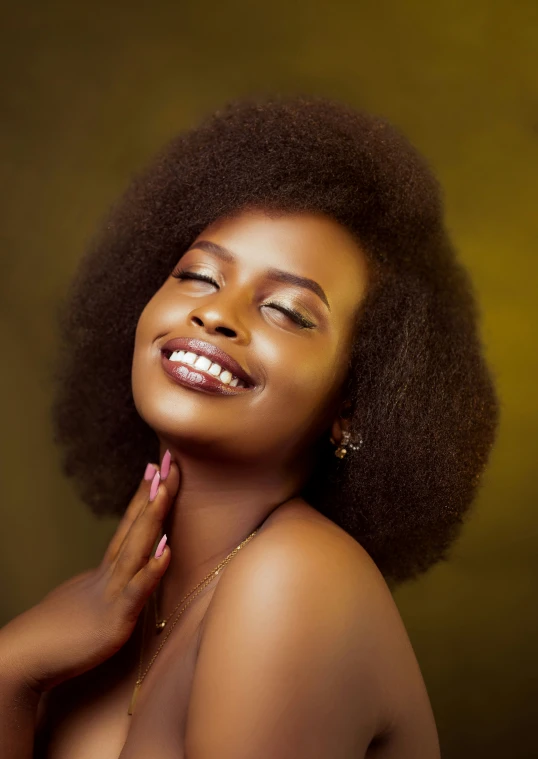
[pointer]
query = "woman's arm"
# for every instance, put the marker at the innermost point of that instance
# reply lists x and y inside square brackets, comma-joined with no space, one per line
[19,701]
[84,621]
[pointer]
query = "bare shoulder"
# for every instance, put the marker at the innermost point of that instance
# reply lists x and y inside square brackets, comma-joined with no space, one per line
[305,612]
[309,549]
[302,552]
[285,653]
[302,557]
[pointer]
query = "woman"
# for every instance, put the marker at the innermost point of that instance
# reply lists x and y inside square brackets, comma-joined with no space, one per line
[273,317]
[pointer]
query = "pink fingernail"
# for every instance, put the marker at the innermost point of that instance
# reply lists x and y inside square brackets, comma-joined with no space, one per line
[154,486]
[150,471]
[165,465]
[160,547]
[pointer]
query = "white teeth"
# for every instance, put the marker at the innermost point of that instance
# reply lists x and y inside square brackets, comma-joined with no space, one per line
[215,370]
[203,363]
[189,358]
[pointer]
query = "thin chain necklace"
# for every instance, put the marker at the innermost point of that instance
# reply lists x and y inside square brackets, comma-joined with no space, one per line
[160,624]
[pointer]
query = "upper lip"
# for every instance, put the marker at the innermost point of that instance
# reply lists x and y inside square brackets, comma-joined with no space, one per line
[217,355]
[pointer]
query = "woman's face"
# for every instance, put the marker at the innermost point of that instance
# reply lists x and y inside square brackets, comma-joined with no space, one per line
[278,297]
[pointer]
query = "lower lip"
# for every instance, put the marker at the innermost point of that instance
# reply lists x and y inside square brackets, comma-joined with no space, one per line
[188,376]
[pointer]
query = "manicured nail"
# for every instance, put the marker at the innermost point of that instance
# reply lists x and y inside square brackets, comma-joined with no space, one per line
[160,547]
[150,471]
[154,486]
[165,465]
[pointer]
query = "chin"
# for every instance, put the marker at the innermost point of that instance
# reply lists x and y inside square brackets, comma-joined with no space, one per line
[178,419]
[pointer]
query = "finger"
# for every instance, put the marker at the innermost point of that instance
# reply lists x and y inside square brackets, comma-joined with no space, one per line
[137,504]
[145,581]
[171,484]
[172,481]
[138,544]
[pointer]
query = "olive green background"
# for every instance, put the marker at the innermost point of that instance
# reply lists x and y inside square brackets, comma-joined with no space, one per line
[91,90]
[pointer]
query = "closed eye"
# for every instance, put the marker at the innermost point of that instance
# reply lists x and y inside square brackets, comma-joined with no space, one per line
[291,313]
[294,315]
[182,274]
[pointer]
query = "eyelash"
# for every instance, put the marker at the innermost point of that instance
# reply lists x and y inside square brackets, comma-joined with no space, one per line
[298,318]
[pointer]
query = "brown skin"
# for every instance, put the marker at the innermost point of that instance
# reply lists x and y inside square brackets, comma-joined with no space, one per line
[83,622]
[297,649]
[241,457]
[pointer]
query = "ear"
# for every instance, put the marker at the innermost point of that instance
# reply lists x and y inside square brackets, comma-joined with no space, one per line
[341,422]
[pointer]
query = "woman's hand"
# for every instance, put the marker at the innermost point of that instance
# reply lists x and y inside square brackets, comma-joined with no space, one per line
[88,618]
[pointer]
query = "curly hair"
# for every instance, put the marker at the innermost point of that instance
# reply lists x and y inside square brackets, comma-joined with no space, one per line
[422,396]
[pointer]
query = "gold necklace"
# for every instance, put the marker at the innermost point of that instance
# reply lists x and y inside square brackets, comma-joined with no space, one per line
[159,625]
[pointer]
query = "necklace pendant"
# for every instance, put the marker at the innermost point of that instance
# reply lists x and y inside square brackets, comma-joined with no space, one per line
[160,625]
[130,710]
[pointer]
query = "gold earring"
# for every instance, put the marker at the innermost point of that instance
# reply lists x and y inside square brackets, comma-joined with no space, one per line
[342,450]
[345,444]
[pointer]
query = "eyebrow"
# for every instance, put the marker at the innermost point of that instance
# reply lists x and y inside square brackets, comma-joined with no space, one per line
[277,275]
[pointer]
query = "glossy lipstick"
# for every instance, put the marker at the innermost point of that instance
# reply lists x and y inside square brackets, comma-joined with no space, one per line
[199,379]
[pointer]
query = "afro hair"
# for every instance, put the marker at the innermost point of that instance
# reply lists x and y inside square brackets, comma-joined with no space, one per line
[422,396]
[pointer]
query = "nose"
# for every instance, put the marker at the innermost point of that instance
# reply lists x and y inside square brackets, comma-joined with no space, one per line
[218,317]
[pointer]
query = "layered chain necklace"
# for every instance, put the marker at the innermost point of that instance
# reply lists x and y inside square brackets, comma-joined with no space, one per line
[160,624]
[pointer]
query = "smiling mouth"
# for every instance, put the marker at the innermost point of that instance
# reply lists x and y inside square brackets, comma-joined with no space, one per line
[198,371]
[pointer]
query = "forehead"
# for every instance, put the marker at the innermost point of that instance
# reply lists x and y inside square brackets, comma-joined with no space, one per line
[306,244]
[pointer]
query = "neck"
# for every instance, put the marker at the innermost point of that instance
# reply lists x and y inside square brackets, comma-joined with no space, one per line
[218,505]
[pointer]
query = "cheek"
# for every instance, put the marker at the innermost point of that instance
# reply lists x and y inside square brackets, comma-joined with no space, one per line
[301,390]
[145,333]
[156,316]
[161,315]
[141,328]
[149,327]
[141,358]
